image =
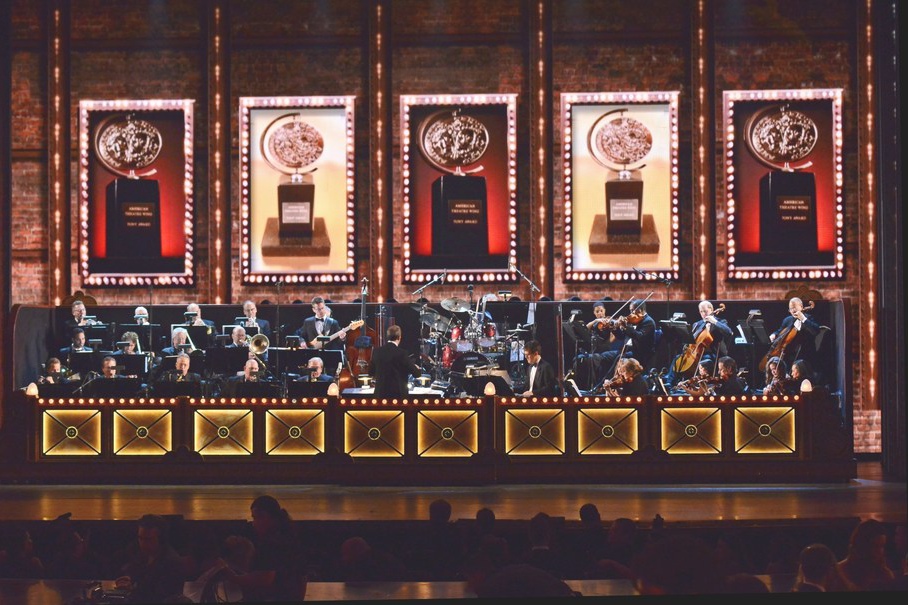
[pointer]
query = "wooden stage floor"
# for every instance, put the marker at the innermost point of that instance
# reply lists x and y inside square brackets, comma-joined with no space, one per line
[867,496]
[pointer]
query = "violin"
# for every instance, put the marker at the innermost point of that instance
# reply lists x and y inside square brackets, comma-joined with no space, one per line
[700,385]
[611,387]
[693,352]
[785,338]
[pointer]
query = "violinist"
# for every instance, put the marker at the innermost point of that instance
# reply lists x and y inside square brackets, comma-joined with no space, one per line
[796,330]
[778,382]
[729,381]
[628,380]
[709,334]
[638,330]
[801,376]
[701,383]
[602,339]
[321,324]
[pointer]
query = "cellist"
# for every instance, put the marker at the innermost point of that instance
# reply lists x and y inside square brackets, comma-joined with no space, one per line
[796,329]
[709,334]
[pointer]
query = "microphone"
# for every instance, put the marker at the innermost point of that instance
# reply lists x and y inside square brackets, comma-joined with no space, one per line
[641,273]
[444,275]
[470,288]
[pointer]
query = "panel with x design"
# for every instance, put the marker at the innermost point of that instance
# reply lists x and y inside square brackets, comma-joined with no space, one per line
[223,432]
[765,430]
[71,433]
[534,432]
[294,432]
[691,430]
[452,433]
[142,432]
[369,433]
[607,431]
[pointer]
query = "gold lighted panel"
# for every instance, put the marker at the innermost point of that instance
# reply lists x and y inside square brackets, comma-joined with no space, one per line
[534,432]
[294,432]
[764,430]
[691,430]
[71,432]
[142,432]
[447,433]
[607,431]
[374,433]
[223,432]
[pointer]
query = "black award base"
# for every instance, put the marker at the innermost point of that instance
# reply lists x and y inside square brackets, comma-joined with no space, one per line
[460,221]
[133,219]
[624,206]
[646,242]
[788,213]
[296,203]
[275,244]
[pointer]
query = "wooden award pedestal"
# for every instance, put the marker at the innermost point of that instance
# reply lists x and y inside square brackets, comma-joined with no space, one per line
[646,242]
[275,245]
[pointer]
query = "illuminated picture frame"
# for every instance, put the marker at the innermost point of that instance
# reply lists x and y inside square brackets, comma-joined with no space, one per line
[783,184]
[459,187]
[297,186]
[136,195]
[620,185]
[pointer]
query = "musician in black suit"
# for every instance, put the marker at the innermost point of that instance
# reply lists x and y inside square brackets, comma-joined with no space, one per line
[180,372]
[321,324]
[719,334]
[250,374]
[315,371]
[390,366]
[250,311]
[76,346]
[801,343]
[540,373]
[638,331]
[178,337]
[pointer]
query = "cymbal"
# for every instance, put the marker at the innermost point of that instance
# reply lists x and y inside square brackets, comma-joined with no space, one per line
[516,330]
[418,307]
[455,305]
[442,324]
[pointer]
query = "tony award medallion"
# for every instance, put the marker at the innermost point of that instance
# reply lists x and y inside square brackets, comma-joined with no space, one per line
[779,138]
[452,141]
[126,146]
[291,146]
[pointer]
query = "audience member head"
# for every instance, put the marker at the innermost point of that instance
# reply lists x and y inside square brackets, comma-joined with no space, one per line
[485,520]
[238,552]
[678,564]
[440,511]
[589,516]
[816,566]
[152,535]
[268,516]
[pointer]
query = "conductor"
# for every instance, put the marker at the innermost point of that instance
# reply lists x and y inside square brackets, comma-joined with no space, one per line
[390,365]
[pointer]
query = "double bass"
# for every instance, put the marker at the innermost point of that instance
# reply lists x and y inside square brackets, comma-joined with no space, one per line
[785,338]
[693,352]
[360,342]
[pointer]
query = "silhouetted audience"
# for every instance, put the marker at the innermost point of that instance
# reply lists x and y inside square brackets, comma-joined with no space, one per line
[864,567]
[17,556]
[361,562]
[435,553]
[517,580]
[153,571]
[677,565]
[816,569]
[278,570]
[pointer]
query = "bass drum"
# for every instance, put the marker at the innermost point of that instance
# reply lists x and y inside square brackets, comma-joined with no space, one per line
[471,358]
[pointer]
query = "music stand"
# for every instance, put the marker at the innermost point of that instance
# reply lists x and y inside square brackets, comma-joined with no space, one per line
[307,388]
[120,386]
[250,330]
[581,335]
[172,388]
[754,332]
[258,389]
[57,390]
[84,362]
[146,332]
[201,336]
[227,360]
[99,332]
[291,360]
[132,365]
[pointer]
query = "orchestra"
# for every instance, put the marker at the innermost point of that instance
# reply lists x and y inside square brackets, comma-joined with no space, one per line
[458,340]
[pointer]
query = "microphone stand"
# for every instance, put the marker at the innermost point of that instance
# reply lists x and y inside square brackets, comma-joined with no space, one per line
[533,287]
[277,331]
[668,289]
[437,279]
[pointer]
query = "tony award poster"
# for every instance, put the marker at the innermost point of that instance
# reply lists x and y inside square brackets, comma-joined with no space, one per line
[620,184]
[783,181]
[297,189]
[459,155]
[136,203]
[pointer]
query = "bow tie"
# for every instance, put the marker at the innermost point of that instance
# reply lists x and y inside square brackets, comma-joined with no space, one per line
[533,365]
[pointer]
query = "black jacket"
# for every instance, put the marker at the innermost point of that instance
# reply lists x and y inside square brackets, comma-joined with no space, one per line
[391,366]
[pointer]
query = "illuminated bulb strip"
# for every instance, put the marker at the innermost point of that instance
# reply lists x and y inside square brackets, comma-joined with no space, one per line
[379,249]
[729,99]
[346,276]
[541,198]
[186,278]
[870,344]
[219,181]
[568,100]
[484,275]
[703,212]
[57,146]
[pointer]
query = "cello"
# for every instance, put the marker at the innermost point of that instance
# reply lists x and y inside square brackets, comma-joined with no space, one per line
[785,338]
[693,352]
[360,341]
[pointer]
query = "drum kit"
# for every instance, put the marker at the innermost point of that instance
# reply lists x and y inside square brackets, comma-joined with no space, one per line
[468,343]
